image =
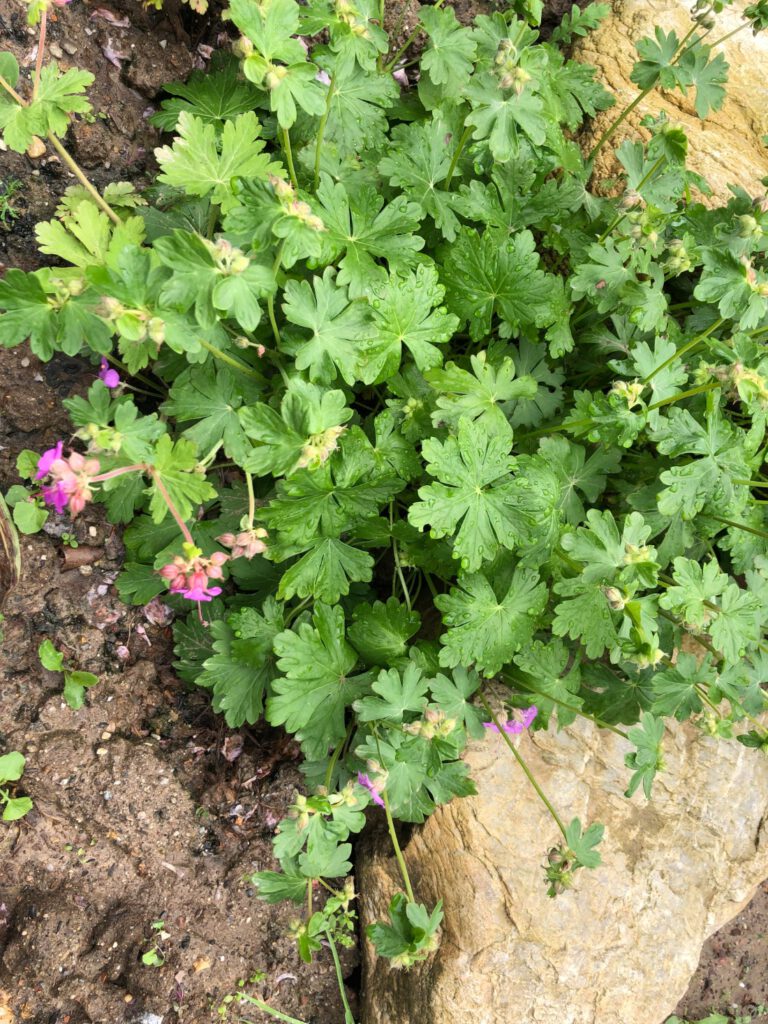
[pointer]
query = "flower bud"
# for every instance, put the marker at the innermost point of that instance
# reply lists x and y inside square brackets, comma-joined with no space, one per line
[242,47]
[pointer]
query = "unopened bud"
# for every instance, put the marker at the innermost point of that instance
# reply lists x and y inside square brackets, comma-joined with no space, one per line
[242,47]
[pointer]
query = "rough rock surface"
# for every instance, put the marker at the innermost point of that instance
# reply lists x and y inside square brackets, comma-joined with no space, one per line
[622,945]
[726,147]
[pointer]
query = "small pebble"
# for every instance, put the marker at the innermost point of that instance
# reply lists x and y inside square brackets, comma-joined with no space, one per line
[69,48]
[55,50]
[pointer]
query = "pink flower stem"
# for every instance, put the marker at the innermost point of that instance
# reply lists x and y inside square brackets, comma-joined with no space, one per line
[40,53]
[171,508]
[138,467]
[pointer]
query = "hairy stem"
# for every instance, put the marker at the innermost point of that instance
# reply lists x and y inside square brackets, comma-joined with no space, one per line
[684,349]
[398,852]
[251,498]
[455,159]
[230,360]
[171,507]
[271,302]
[700,390]
[529,774]
[321,128]
[40,53]
[419,28]
[286,140]
[348,1017]
[90,189]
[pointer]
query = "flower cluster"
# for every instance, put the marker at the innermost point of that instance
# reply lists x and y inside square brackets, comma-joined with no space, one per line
[245,544]
[68,481]
[190,576]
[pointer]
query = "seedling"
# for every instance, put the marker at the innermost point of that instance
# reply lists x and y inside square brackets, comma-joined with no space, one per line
[11,770]
[76,682]
[155,955]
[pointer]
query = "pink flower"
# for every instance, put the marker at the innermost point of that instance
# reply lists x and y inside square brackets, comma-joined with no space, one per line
[110,377]
[519,722]
[56,496]
[191,576]
[47,459]
[70,479]
[368,784]
[201,593]
[245,544]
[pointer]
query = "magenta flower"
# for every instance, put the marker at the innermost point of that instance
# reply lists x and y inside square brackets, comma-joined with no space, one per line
[47,459]
[110,377]
[366,783]
[201,593]
[520,721]
[56,495]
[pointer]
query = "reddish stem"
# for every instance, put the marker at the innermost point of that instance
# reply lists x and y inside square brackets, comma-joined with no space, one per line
[171,507]
[40,54]
[139,466]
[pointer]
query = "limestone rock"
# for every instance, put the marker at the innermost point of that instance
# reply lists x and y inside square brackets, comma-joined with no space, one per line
[622,945]
[726,147]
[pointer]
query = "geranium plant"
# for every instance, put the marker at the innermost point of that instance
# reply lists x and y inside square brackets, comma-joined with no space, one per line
[392,402]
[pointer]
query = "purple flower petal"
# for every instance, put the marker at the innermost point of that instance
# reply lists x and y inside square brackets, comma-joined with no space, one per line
[514,726]
[110,377]
[200,594]
[56,496]
[47,459]
[366,783]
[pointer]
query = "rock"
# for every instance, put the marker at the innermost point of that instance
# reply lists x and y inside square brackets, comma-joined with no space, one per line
[725,147]
[621,946]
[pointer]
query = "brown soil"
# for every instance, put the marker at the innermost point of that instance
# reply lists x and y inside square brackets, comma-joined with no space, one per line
[138,815]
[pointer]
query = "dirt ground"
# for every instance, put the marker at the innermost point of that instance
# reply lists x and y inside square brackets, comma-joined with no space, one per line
[139,817]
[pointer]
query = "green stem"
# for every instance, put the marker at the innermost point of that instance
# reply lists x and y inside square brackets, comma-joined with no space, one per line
[419,28]
[266,1008]
[398,852]
[225,357]
[309,898]
[455,159]
[568,425]
[679,353]
[740,526]
[90,189]
[529,774]
[251,498]
[271,303]
[321,127]
[611,129]
[348,1017]
[568,707]
[729,35]
[700,390]
[286,140]
[621,216]
[335,756]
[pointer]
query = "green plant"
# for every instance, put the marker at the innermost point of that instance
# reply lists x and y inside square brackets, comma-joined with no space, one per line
[8,193]
[155,955]
[11,770]
[429,411]
[76,682]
